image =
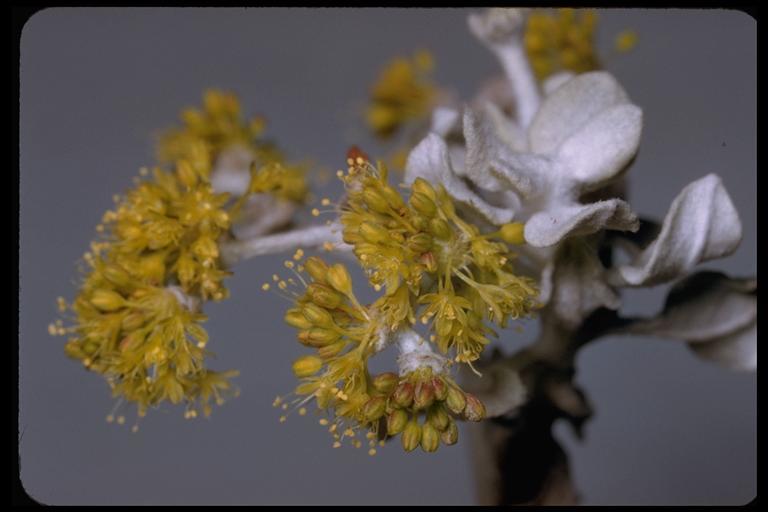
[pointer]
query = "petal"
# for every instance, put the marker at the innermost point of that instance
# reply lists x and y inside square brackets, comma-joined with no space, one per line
[571,106]
[429,160]
[701,224]
[549,227]
[603,146]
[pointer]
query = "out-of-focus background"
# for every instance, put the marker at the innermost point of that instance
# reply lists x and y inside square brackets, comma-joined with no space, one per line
[98,84]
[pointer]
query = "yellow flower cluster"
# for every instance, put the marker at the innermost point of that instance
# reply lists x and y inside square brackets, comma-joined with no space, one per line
[403,93]
[137,317]
[345,334]
[219,126]
[423,253]
[424,257]
[559,41]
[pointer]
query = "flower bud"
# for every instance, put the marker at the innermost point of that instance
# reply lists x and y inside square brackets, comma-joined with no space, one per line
[422,186]
[475,410]
[450,435]
[374,408]
[411,436]
[438,417]
[403,395]
[373,233]
[339,279]
[393,197]
[318,337]
[455,400]
[440,387]
[428,260]
[316,268]
[513,233]
[295,318]
[423,395]
[375,200]
[396,422]
[385,382]
[430,438]
[107,300]
[324,296]
[116,275]
[423,204]
[420,242]
[132,322]
[440,228]
[331,350]
[306,366]
[317,315]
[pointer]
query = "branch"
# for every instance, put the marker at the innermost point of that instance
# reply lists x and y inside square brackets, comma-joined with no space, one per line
[315,236]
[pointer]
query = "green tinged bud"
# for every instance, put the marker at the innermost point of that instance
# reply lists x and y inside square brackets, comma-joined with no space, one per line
[375,200]
[331,350]
[392,197]
[295,318]
[385,382]
[430,438]
[374,408]
[116,275]
[455,400]
[396,422]
[428,260]
[422,186]
[107,300]
[440,228]
[403,395]
[411,436]
[316,268]
[373,233]
[438,417]
[440,387]
[339,279]
[132,322]
[475,410]
[423,204]
[423,395]
[420,242]
[318,337]
[306,366]
[324,296]
[450,435]
[317,315]
[513,233]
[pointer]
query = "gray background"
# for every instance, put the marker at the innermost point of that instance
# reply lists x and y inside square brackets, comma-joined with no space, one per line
[96,84]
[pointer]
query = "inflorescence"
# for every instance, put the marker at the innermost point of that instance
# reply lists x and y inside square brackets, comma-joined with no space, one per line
[432,267]
[137,317]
